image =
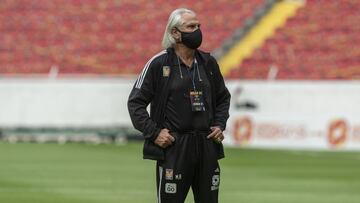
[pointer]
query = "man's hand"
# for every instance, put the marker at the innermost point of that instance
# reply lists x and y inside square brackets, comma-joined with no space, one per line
[216,134]
[164,139]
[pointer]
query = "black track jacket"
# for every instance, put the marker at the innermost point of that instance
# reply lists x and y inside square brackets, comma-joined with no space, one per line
[152,86]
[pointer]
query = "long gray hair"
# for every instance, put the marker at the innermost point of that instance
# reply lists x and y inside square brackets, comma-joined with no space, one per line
[175,19]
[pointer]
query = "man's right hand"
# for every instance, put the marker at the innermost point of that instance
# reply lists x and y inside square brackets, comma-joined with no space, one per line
[164,139]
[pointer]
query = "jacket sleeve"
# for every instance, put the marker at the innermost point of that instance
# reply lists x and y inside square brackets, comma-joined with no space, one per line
[140,97]
[222,98]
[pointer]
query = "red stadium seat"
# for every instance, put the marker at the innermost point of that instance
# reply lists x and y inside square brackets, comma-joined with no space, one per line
[101,37]
[320,42]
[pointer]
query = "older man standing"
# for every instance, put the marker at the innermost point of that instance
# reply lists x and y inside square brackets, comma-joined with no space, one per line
[189,110]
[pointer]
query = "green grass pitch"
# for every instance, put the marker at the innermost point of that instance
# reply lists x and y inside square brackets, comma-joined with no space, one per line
[85,173]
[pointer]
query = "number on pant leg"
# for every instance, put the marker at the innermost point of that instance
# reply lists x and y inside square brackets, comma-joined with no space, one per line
[170,188]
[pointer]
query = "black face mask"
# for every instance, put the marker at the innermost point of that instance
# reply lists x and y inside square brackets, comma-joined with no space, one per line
[191,39]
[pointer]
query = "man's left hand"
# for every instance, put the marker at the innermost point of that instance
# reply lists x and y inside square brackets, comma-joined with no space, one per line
[216,134]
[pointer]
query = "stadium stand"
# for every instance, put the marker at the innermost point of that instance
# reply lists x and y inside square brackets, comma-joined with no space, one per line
[320,42]
[101,37]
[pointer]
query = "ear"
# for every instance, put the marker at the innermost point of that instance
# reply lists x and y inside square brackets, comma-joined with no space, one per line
[176,35]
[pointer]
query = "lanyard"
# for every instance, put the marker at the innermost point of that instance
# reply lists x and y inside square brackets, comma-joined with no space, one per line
[192,77]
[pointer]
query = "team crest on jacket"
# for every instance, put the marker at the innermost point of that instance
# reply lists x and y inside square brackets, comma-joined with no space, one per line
[166,71]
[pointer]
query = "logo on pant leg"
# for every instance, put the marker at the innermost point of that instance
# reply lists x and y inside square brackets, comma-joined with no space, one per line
[169,174]
[215,182]
[178,176]
[170,188]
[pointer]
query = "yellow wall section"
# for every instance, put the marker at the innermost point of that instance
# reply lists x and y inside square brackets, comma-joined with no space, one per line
[265,28]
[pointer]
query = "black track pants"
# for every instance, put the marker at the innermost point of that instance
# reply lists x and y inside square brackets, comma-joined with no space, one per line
[190,161]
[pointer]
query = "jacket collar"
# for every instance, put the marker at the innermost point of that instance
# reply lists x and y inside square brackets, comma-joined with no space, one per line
[203,57]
